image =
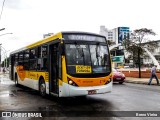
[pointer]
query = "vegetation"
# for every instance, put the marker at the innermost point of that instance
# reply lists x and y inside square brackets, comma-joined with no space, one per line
[110,42]
[137,42]
[5,63]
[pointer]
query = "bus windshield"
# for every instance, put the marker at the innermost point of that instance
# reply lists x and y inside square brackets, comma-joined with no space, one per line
[86,58]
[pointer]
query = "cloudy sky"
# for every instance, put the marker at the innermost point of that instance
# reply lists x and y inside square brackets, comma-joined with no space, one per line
[28,20]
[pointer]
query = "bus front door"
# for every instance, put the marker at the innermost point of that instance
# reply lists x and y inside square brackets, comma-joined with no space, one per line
[53,56]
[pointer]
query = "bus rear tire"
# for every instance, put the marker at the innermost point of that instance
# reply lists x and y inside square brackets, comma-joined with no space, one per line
[42,88]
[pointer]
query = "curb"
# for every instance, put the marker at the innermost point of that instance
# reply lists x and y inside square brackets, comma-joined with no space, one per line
[140,82]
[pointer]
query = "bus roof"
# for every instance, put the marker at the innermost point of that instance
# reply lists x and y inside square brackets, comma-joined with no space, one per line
[44,40]
[80,32]
[53,37]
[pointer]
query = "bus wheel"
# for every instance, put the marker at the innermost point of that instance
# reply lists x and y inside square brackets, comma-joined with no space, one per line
[42,88]
[16,80]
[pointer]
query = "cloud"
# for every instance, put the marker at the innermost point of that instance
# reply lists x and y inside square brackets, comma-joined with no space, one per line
[16,4]
[28,20]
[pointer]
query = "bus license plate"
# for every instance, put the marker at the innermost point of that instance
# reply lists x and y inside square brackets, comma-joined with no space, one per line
[90,92]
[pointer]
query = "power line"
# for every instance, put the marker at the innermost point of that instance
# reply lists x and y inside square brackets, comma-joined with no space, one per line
[2,9]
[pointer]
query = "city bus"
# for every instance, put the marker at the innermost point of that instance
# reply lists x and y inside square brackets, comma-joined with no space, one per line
[65,64]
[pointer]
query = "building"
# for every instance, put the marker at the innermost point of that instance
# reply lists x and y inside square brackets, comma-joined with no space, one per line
[119,34]
[109,34]
[147,60]
[116,35]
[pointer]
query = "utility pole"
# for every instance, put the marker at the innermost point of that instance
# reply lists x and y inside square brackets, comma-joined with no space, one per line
[1,44]
[0,50]
[139,61]
[139,57]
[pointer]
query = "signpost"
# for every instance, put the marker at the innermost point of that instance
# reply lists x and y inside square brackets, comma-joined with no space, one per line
[118,59]
[123,34]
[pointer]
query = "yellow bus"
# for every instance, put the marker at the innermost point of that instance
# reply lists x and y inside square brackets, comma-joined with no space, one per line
[65,64]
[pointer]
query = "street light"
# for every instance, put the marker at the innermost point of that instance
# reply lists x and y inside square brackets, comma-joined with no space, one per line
[5,34]
[1,44]
[2,29]
[5,56]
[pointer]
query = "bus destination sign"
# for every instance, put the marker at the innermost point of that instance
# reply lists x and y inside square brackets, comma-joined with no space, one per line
[84,37]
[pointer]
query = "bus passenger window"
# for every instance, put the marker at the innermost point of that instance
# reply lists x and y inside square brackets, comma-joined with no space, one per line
[44,50]
[33,54]
[44,54]
[33,64]
[26,65]
[39,52]
[45,65]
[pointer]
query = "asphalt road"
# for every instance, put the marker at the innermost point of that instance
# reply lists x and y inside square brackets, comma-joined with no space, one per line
[124,102]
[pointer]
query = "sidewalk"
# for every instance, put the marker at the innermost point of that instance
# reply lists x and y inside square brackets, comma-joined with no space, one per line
[140,80]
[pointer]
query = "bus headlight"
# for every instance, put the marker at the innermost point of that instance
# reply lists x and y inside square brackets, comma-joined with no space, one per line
[71,82]
[108,81]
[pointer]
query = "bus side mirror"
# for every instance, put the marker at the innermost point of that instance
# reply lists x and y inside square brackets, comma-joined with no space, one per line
[61,48]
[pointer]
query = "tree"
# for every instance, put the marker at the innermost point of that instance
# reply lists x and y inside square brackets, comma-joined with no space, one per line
[5,63]
[136,44]
[110,42]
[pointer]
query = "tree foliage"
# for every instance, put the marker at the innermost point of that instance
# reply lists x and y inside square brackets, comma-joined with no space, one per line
[136,41]
[5,63]
[137,44]
[110,42]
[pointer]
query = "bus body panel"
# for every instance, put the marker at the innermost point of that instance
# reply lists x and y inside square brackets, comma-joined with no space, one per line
[30,78]
[67,90]
[34,84]
[64,90]
[85,82]
[82,91]
[45,40]
[29,83]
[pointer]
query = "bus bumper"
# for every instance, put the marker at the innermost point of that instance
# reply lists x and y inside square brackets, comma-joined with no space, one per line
[82,91]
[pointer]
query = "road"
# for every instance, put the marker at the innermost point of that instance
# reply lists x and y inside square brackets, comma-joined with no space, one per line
[120,104]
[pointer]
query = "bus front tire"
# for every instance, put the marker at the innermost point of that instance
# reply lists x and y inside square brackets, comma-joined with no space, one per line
[42,88]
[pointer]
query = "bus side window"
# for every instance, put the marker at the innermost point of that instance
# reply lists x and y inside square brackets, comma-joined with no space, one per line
[39,52]
[45,65]
[42,64]
[39,62]
[33,53]
[16,59]
[26,60]
[44,50]
[33,64]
